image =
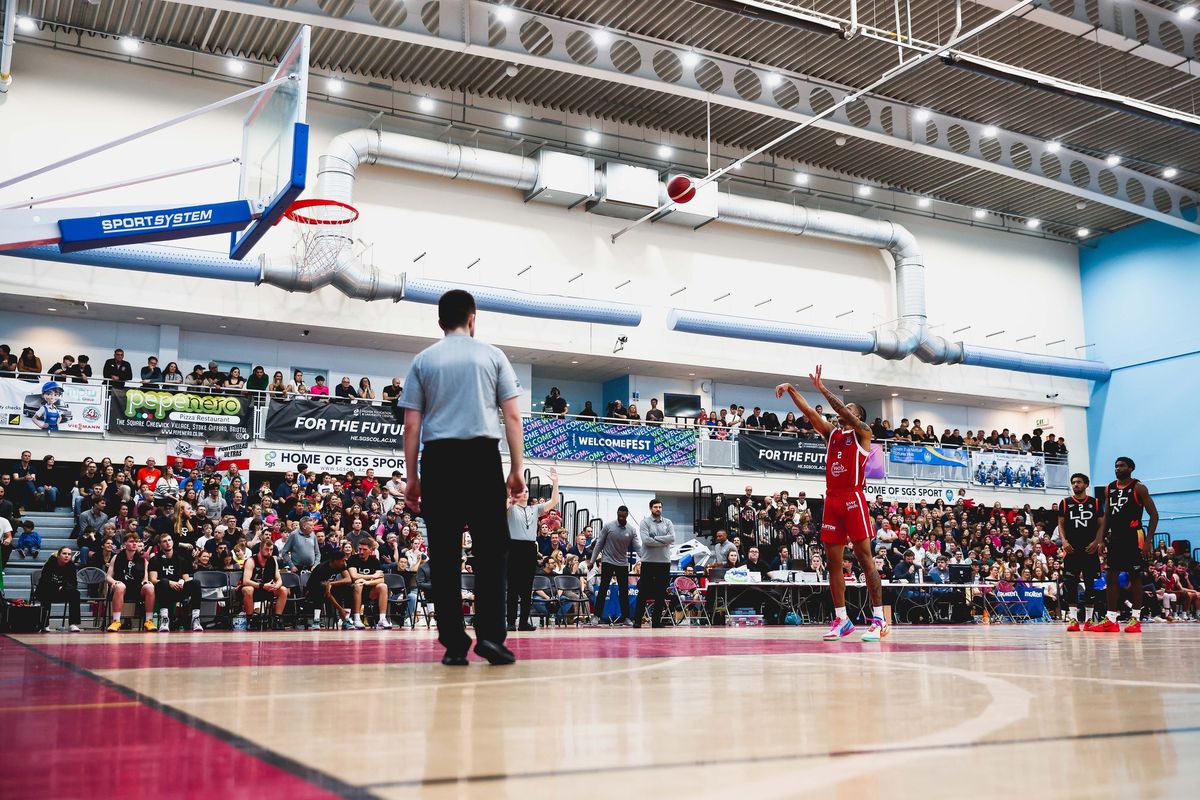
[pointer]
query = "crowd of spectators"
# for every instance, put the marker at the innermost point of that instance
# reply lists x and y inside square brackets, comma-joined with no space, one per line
[119,373]
[918,542]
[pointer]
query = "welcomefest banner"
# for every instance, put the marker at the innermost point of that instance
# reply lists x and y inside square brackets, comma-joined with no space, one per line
[575,440]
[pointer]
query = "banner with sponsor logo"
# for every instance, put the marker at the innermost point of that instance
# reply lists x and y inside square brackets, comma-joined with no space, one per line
[283,459]
[180,414]
[339,424]
[219,457]
[794,455]
[927,455]
[1008,469]
[52,406]
[911,494]
[548,437]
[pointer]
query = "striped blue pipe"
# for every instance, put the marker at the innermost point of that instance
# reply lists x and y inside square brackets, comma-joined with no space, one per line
[538,306]
[149,258]
[1035,363]
[760,330]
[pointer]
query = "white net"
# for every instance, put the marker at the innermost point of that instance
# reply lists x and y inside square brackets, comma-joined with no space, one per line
[322,232]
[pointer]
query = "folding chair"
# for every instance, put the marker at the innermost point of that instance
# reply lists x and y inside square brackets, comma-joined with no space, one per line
[92,584]
[397,586]
[468,585]
[291,581]
[1007,603]
[544,584]
[573,596]
[423,606]
[214,589]
[683,588]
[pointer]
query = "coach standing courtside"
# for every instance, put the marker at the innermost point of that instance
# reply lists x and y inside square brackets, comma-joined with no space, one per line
[450,400]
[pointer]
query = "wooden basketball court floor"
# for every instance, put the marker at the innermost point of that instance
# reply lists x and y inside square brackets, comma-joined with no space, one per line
[1023,710]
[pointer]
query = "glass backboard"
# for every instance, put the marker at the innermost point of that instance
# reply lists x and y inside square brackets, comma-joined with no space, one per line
[275,146]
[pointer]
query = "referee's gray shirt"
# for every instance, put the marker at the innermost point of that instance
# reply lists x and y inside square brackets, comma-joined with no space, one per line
[612,545]
[457,385]
[523,521]
[655,540]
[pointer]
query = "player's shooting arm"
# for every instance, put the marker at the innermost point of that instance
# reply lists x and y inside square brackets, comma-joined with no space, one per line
[847,416]
[819,423]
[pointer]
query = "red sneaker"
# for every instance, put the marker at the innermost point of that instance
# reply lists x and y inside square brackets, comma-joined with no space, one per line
[1073,627]
[1134,627]
[1108,626]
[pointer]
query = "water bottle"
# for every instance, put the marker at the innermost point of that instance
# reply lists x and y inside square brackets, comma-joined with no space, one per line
[240,623]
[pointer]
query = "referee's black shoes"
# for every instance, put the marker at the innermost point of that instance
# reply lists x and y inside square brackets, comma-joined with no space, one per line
[496,653]
[449,660]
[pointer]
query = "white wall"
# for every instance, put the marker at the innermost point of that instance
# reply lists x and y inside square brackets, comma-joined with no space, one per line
[404,214]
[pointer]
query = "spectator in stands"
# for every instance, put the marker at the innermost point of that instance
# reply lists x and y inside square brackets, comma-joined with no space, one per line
[58,584]
[555,403]
[60,368]
[213,377]
[8,362]
[344,390]
[194,378]
[320,389]
[23,474]
[616,410]
[277,388]
[151,375]
[789,423]
[299,552]
[29,366]
[754,421]
[721,546]
[117,370]
[234,380]
[654,416]
[632,414]
[81,370]
[367,574]
[29,543]
[886,431]
[365,392]
[588,411]
[755,563]
[393,392]
[212,502]
[171,376]
[298,385]
[149,475]
[257,382]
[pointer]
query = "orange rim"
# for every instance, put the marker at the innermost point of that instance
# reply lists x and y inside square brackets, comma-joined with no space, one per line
[294,212]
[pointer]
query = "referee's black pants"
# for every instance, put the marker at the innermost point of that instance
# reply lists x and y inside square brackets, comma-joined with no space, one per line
[652,588]
[462,485]
[522,563]
[607,572]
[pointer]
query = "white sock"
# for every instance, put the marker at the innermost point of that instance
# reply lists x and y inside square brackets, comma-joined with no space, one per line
[164,613]
[1089,611]
[317,615]
[116,616]
[195,614]
[1112,616]
[840,613]
[1137,614]
[358,617]
[1073,613]
[877,612]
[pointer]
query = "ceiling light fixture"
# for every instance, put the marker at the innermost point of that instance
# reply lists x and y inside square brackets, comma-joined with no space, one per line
[921,115]
[1076,91]
[1083,233]
[235,67]
[511,122]
[1053,147]
[665,152]
[924,202]
[1170,172]
[791,17]
[1113,160]
[840,141]
[864,191]
[801,179]
[426,104]
[690,59]
[774,79]
[895,394]
[504,14]
[336,85]
[52,309]
[601,36]
[1033,222]
[1187,12]
[989,132]
[980,213]
[130,45]
[139,318]
[592,137]
[26,25]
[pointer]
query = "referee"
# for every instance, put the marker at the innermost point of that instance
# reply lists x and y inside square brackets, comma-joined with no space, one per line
[450,400]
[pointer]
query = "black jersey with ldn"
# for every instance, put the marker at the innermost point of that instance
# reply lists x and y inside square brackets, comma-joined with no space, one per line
[173,568]
[129,570]
[1123,509]
[368,566]
[1082,520]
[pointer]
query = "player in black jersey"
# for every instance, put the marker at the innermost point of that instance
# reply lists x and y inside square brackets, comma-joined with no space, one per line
[1081,528]
[330,583]
[261,581]
[171,574]
[127,576]
[1129,546]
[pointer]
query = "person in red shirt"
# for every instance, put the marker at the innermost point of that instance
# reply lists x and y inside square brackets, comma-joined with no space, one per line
[845,519]
[368,482]
[149,475]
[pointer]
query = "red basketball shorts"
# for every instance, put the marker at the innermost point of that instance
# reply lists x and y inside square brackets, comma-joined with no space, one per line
[845,519]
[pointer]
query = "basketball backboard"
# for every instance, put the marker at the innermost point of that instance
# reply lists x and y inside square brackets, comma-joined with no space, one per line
[274,162]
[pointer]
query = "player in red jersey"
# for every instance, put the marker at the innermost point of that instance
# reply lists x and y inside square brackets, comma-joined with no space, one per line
[845,518]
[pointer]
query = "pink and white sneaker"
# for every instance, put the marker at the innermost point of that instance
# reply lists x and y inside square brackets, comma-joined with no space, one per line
[840,629]
[879,629]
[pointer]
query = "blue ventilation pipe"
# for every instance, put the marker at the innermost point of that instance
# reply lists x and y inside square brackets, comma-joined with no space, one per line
[540,306]
[1038,364]
[760,330]
[150,258]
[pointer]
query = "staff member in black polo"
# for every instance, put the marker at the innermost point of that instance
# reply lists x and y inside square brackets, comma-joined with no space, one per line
[451,395]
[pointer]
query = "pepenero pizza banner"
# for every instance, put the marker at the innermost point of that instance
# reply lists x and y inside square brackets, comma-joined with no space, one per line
[180,414]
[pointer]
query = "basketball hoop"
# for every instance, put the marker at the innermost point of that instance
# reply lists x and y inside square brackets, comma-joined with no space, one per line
[319,236]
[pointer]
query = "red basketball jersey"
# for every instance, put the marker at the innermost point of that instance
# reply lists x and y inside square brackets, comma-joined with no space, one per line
[845,463]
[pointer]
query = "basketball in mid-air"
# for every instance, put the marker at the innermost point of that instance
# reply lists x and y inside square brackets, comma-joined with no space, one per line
[681,189]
